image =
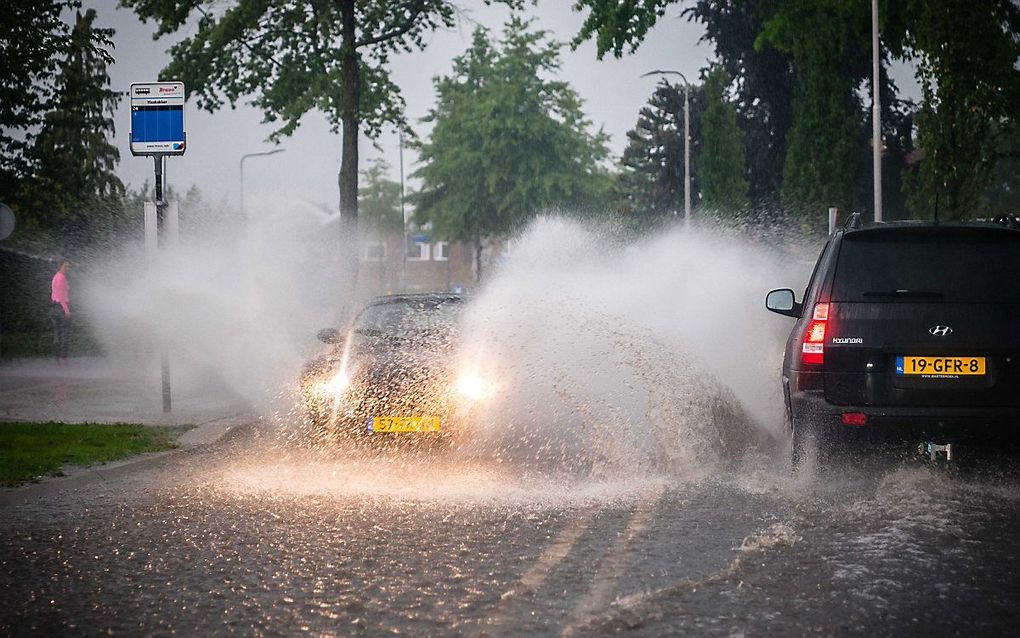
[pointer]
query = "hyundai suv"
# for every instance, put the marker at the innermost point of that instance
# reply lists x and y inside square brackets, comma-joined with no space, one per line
[907,331]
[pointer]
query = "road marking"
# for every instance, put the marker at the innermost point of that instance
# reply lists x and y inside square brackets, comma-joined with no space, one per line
[554,553]
[536,575]
[612,564]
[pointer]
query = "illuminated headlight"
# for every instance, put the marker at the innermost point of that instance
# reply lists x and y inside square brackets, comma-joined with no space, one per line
[471,385]
[335,385]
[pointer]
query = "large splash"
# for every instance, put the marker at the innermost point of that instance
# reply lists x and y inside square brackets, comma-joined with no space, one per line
[610,353]
[237,300]
[639,354]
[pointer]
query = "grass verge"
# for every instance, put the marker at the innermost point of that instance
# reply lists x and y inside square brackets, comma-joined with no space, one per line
[29,451]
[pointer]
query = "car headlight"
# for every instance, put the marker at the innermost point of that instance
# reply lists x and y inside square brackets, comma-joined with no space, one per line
[335,385]
[473,386]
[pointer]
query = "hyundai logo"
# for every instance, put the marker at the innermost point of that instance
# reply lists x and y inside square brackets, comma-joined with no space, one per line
[941,331]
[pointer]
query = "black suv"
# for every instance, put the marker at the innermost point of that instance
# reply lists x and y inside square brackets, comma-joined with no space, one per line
[908,331]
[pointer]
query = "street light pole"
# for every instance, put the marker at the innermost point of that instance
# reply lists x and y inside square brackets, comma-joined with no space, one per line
[876,113]
[687,139]
[244,157]
[403,221]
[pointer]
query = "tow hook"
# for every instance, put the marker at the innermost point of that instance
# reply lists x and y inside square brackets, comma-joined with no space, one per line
[932,450]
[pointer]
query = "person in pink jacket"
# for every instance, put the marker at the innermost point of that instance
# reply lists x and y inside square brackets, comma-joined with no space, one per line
[60,312]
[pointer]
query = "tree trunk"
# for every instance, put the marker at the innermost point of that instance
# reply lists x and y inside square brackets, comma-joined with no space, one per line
[477,245]
[350,119]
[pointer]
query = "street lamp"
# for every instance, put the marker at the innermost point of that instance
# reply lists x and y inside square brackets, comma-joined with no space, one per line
[244,157]
[687,139]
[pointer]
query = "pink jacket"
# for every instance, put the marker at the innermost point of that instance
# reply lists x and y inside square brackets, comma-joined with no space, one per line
[60,292]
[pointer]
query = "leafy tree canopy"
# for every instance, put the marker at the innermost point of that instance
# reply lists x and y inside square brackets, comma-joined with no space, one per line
[970,81]
[722,169]
[288,56]
[653,175]
[379,201]
[506,141]
[35,38]
[829,43]
[618,25]
[74,193]
[293,57]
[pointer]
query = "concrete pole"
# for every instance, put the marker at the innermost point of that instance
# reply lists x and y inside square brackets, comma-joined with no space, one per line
[876,112]
[687,152]
[403,221]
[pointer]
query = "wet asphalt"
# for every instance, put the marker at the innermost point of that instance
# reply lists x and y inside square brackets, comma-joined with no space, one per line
[261,536]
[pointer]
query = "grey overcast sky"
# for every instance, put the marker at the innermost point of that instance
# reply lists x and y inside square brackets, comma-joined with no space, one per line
[612,90]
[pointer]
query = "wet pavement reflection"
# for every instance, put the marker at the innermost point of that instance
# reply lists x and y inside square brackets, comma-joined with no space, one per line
[252,536]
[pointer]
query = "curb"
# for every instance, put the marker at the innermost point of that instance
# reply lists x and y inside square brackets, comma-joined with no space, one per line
[204,435]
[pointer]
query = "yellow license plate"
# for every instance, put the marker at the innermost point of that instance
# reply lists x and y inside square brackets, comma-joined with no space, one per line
[948,367]
[404,424]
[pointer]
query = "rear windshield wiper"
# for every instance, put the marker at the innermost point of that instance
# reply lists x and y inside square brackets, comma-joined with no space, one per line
[904,294]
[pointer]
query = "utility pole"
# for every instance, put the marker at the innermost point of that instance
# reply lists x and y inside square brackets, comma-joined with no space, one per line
[876,112]
[687,139]
[403,220]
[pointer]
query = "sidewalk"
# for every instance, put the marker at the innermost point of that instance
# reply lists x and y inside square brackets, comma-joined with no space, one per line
[98,390]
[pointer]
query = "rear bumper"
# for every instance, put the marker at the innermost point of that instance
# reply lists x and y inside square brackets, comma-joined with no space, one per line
[994,425]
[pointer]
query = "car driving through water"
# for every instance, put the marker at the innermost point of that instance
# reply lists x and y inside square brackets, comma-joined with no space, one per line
[907,331]
[393,372]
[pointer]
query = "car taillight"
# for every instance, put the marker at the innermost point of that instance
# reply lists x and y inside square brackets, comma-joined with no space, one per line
[813,350]
[855,418]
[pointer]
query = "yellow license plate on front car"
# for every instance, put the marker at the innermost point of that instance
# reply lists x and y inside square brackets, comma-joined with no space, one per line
[940,366]
[404,424]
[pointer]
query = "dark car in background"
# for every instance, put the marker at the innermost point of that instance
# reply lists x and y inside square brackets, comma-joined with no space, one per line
[907,332]
[393,372]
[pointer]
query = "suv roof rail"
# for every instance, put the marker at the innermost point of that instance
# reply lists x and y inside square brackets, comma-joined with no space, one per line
[853,222]
[1009,221]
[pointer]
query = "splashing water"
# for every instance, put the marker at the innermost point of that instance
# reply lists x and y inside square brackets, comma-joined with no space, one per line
[643,355]
[611,357]
[240,302]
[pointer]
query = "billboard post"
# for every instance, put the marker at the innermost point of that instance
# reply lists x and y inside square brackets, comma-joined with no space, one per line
[157,130]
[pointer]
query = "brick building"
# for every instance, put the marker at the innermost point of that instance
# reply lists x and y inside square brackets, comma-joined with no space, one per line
[429,265]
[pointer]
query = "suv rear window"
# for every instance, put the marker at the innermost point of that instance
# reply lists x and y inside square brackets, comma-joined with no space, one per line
[931,265]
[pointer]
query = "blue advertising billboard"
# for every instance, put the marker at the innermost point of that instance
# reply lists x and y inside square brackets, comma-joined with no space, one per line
[157,118]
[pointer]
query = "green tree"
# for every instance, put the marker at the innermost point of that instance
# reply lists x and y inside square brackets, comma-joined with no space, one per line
[34,38]
[1004,193]
[970,84]
[827,39]
[722,170]
[653,162]
[616,25]
[329,55]
[764,77]
[767,77]
[506,142]
[74,190]
[379,201]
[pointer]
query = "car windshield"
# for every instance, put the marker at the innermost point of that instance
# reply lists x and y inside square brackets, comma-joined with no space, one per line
[932,265]
[409,317]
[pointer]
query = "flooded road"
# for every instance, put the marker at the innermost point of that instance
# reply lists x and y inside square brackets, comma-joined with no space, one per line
[255,537]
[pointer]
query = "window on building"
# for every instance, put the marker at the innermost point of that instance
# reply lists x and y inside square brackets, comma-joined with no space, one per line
[373,251]
[418,248]
[441,251]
